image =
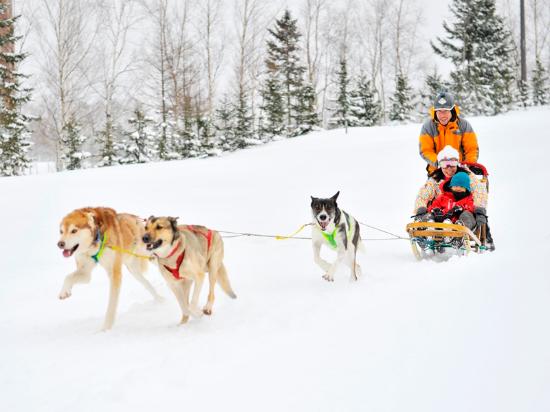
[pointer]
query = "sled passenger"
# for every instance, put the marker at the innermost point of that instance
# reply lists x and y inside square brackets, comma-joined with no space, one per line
[455,204]
[447,160]
[446,128]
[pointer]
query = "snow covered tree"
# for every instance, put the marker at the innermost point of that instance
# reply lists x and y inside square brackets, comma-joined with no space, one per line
[71,141]
[343,101]
[541,85]
[283,62]
[225,114]
[306,115]
[139,139]
[272,106]
[401,101]
[480,48]
[523,93]
[14,132]
[242,132]
[111,145]
[365,108]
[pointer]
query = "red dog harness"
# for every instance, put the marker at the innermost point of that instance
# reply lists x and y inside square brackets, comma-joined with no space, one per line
[207,235]
[176,271]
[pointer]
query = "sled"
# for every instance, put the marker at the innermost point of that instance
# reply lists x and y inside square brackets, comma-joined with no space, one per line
[431,239]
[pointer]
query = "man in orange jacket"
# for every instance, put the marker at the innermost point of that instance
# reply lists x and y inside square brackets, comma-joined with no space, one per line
[445,127]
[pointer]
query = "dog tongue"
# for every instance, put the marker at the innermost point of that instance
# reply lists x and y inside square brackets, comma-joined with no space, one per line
[67,252]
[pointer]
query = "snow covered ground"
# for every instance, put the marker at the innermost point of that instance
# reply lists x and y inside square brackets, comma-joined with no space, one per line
[469,334]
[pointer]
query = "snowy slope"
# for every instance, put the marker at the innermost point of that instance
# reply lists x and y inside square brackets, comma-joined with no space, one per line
[470,334]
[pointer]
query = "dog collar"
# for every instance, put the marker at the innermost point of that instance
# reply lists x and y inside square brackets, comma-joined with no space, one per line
[99,253]
[176,271]
[329,237]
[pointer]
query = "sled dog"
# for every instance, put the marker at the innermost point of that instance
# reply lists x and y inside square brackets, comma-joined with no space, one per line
[95,235]
[339,231]
[185,253]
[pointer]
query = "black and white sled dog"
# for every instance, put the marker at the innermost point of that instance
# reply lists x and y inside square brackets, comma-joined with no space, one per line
[337,230]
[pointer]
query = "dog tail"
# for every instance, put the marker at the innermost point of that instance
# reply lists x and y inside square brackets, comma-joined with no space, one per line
[223,280]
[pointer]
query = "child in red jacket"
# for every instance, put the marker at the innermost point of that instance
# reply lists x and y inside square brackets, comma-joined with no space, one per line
[455,202]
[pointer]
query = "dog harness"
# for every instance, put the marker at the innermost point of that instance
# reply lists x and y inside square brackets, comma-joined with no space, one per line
[99,253]
[207,235]
[329,237]
[176,271]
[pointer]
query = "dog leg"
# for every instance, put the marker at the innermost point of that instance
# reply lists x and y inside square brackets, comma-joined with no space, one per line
[197,291]
[323,264]
[82,274]
[181,290]
[212,276]
[136,269]
[329,276]
[351,261]
[116,278]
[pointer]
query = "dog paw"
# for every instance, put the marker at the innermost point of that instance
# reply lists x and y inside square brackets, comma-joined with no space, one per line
[207,311]
[64,294]
[328,278]
[184,319]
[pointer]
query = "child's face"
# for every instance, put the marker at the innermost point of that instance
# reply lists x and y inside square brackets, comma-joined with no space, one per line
[458,189]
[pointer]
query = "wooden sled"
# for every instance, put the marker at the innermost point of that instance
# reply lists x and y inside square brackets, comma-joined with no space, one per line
[434,237]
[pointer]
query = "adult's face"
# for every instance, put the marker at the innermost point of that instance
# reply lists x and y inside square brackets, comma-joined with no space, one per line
[449,171]
[443,116]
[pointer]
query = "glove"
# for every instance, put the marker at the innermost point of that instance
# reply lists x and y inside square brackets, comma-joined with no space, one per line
[456,210]
[438,214]
[421,214]
[481,216]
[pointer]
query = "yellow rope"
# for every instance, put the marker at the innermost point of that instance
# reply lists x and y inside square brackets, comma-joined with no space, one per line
[129,252]
[279,237]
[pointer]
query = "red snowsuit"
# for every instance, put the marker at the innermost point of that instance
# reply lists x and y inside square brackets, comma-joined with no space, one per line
[446,201]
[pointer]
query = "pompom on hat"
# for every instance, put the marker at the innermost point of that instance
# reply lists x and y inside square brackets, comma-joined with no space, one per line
[448,153]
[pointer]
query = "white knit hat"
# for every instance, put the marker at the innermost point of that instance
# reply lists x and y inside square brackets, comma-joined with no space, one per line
[448,152]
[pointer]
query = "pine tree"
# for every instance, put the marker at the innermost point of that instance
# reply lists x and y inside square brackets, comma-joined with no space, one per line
[480,48]
[225,114]
[273,124]
[71,141]
[14,131]
[401,101]
[139,139]
[523,93]
[242,131]
[365,108]
[541,85]
[111,144]
[306,115]
[343,101]
[283,63]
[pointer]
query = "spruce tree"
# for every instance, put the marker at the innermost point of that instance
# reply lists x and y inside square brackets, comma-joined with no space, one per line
[541,84]
[306,115]
[139,139]
[112,146]
[365,108]
[242,131]
[224,123]
[343,101]
[401,101]
[480,48]
[274,122]
[14,131]
[283,64]
[71,145]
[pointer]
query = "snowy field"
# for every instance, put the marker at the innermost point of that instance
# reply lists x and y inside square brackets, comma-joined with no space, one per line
[469,334]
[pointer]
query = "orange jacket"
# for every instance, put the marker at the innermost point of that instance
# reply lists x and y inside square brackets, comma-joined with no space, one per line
[458,133]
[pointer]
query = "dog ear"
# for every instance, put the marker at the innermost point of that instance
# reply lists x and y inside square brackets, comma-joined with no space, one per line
[91,221]
[335,196]
[174,222]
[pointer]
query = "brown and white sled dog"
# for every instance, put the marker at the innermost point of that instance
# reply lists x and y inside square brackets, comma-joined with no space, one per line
[90,234]
[185,253]
[339,231]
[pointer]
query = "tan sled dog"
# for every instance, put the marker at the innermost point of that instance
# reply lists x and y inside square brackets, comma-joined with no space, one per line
[92,235]
[184,254]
